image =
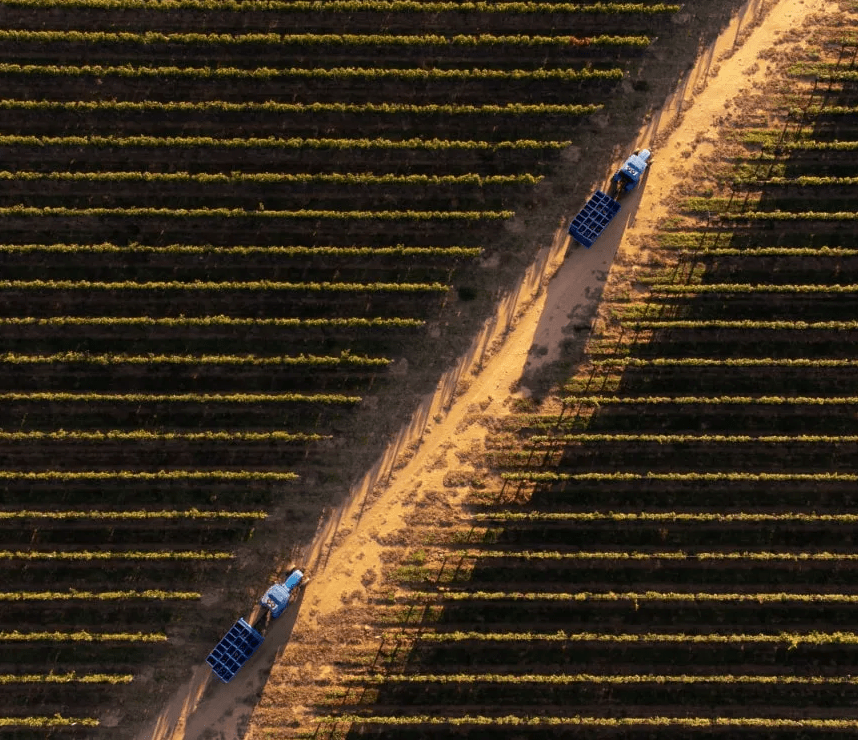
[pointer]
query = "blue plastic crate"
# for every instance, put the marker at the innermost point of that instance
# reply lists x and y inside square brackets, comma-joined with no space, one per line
[593,218]
[234,650]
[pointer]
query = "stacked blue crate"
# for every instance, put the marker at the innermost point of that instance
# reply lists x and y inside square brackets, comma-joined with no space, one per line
[234,650]
[593,218]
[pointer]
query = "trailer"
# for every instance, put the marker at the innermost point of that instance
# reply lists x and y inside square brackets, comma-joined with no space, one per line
[234,650]
[593,218]
[242,640]
[600,210]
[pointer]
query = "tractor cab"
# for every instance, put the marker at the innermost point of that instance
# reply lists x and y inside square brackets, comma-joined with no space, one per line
[628,176]
[278,596]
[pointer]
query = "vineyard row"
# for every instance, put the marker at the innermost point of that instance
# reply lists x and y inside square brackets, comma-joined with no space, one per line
[82,636]
[670,517]
[91,285]
[541,440]
[227,321]
[73,677]
[272,142]
[812,145]
[143,435]
[546,477]
[86,555]
[822,70]
[600,722]
[286,251]
[747,324]
[336,178]
[726,362]
[803,181]
[142,475]
[793,639]
[98,595]
[182,397]
[344,360]
[320,39]
[55,721]
[349,6]
[566,678]
[274,106]
[793,215]
[666,288]
[314,73]
[766,251]
[27,211]
[663,555]
[132,515]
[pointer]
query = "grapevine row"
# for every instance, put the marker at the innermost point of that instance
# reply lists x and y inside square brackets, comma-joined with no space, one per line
[82,636]
[289,251]
[209,285]
[318,39]
[701,239]
[793,639]
[273,142]
[749,288]
[110,678]
[344,360]
[717,400]
[543,439]
[142,475]
[544,477]
[804,180]
[275,106]
[348,178]
[663,555]
[55,721]
[315,73]
[61,396]
[794,216]
[580,721]
[770,251]
[825,110]
[229,321]
[754,598]
[114,555]
[98,595]
[561,679]
[812,145]
[822,70]
[748,324]
[726,362]
[350,6]
[131,515]
[28,211]
[668,516]
[144,435]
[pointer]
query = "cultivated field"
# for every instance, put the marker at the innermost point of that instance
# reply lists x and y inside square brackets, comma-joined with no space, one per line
[665,547]
[239,240]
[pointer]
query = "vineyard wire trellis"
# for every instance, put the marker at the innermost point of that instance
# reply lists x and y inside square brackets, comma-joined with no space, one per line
[328,730]
[802,120]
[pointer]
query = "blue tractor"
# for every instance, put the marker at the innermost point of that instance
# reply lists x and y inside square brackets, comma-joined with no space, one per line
[243,639]
[598,212]
[278,596]
[629,175]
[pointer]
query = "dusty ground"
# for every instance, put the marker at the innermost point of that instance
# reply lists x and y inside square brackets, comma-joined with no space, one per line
[536,328]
